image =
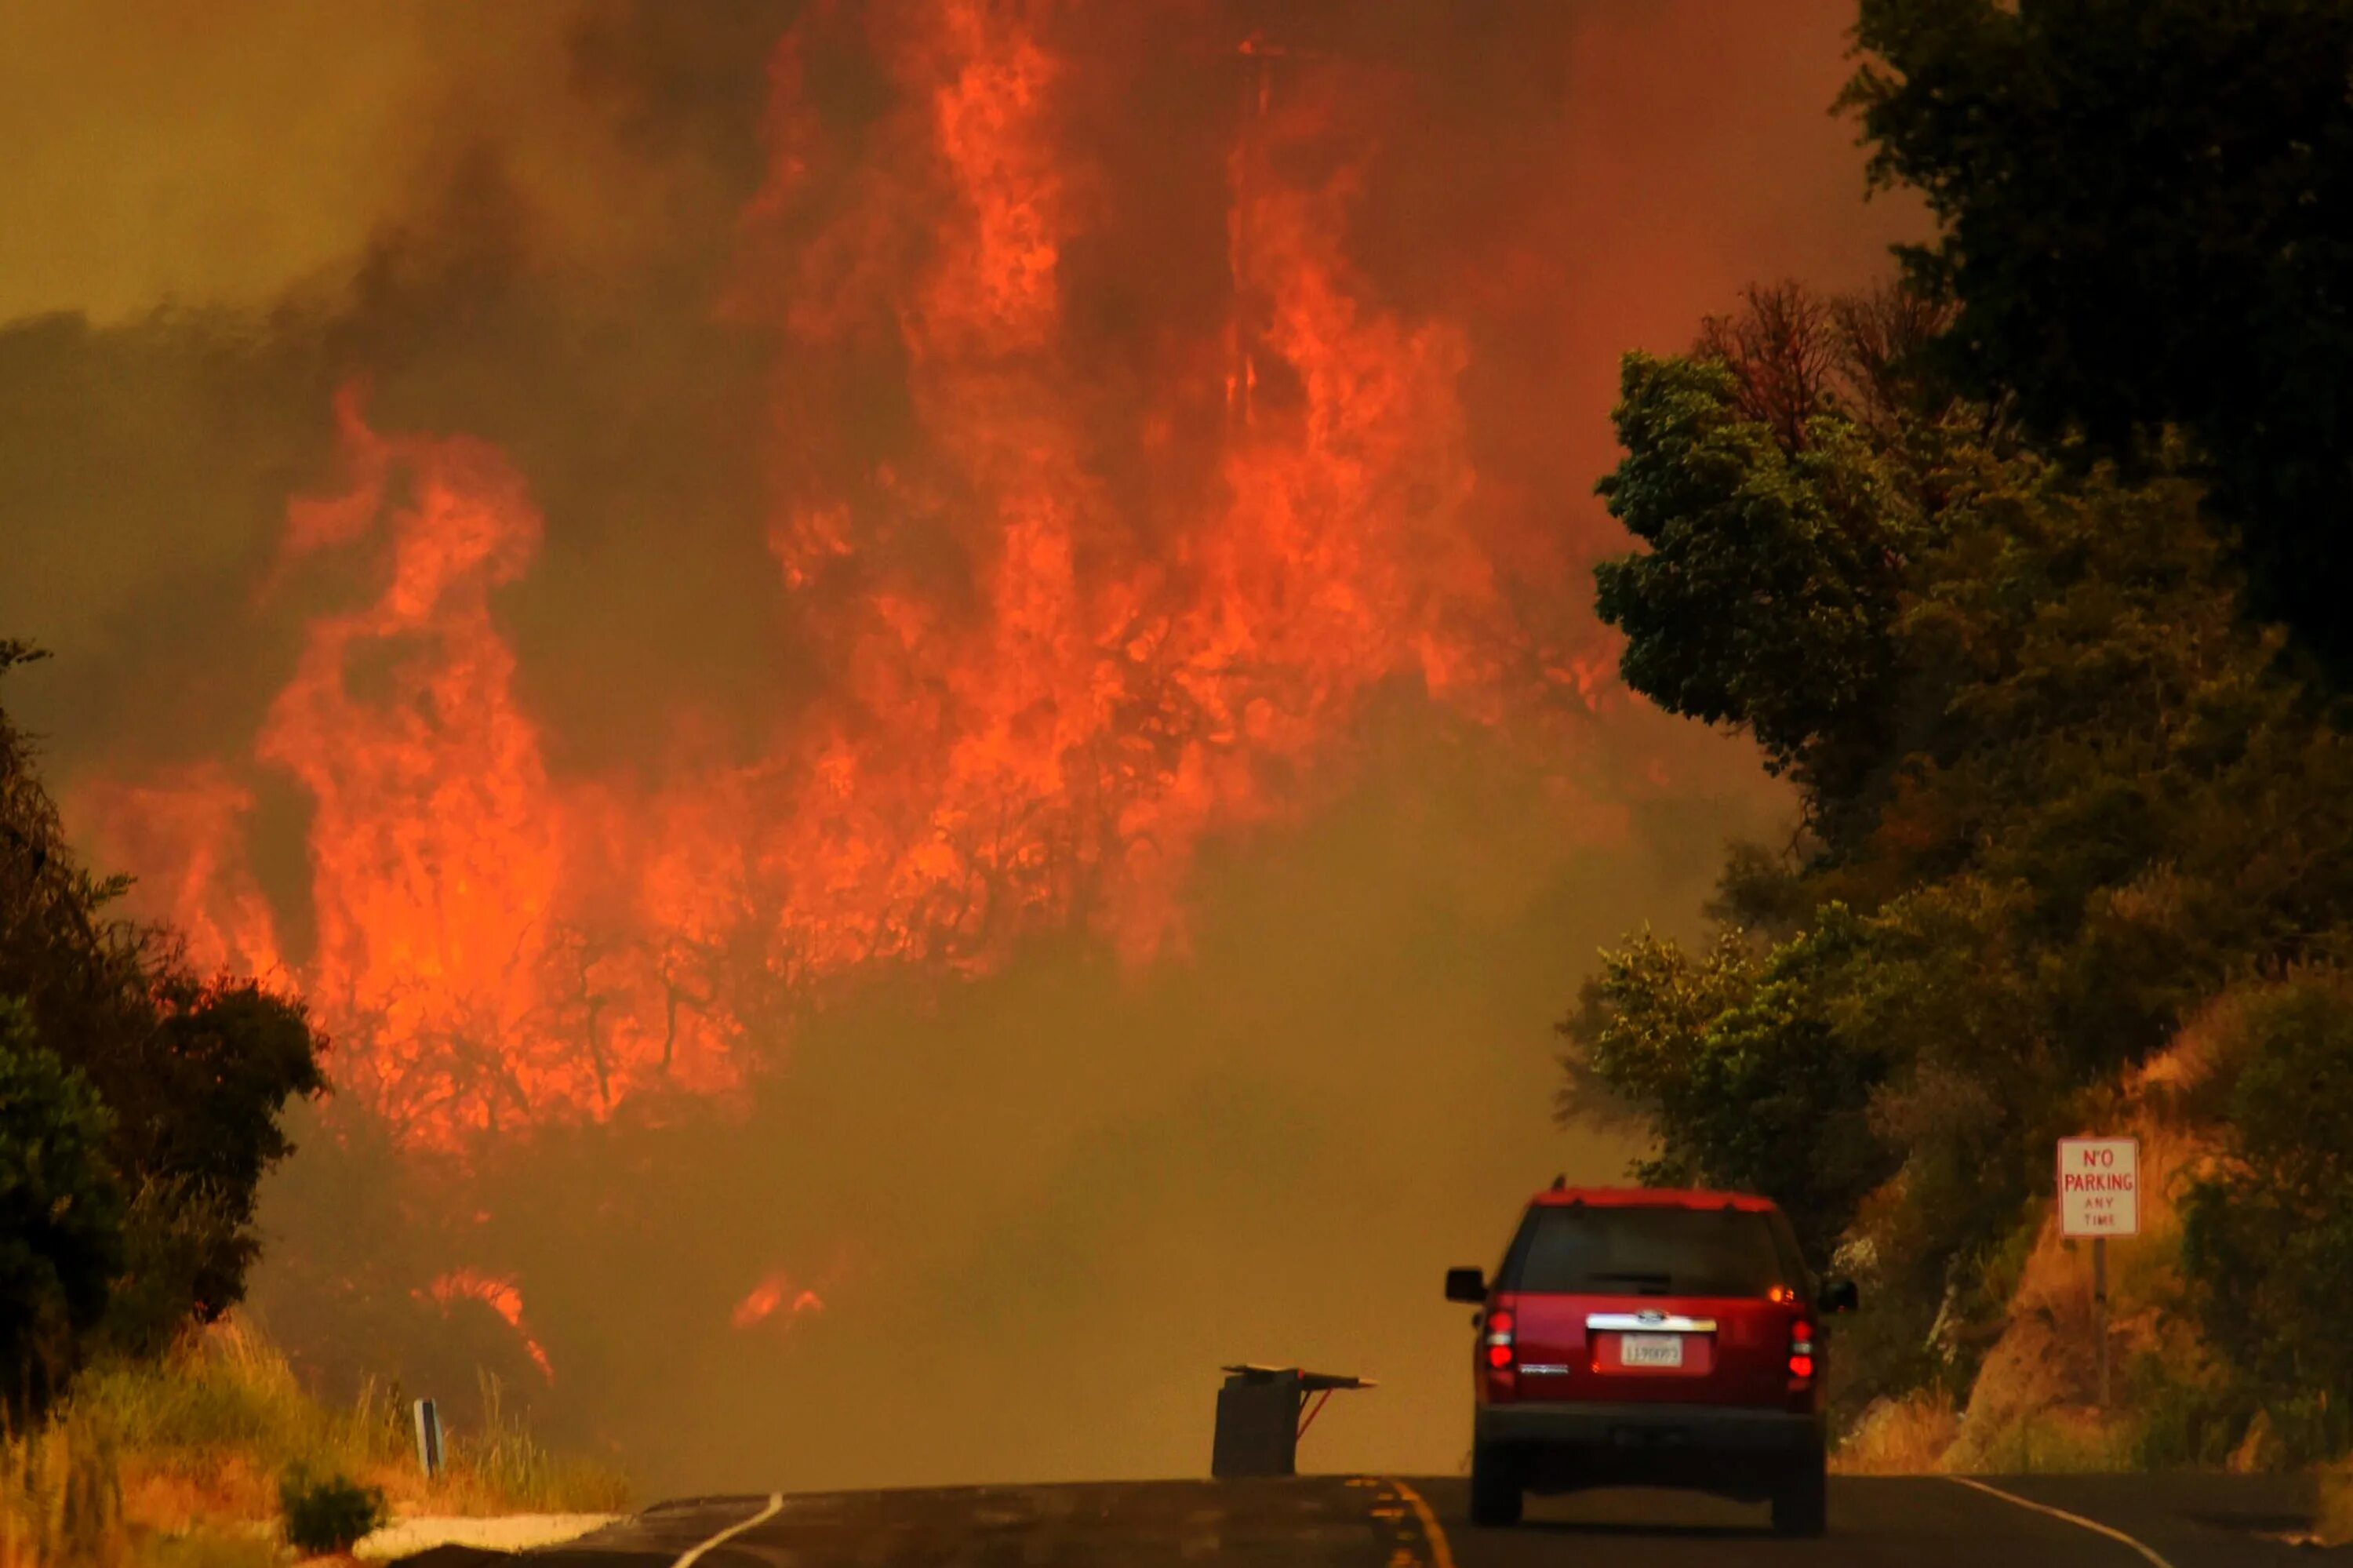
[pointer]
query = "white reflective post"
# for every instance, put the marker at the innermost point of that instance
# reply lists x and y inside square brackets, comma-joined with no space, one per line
[429,1438]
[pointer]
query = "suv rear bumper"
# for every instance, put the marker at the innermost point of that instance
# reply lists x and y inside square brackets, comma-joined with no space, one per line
[1641,1428]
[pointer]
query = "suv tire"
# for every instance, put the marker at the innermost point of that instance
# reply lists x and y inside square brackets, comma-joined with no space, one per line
[1496,1493]
[1801,1502]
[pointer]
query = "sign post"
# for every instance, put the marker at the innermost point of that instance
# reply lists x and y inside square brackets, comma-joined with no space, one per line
[2099,1197]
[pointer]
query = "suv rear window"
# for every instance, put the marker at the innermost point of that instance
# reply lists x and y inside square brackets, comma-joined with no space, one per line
[1642,1251]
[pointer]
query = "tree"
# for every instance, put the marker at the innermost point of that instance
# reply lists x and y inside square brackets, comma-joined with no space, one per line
[195,1110]
[2145,212]
[2267,1236]
[1785,475]
[1741,1069]
[2060,794]
[193,1074]
[61,1216]
[1767,593]
[1634,1043]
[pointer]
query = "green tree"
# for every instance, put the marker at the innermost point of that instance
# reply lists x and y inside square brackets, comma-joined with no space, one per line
[1634,1045]
[1768,590]
[193,1074]
[2146,219]
[2267,1236]
[61,1216]
[2081,798]
[196,1110]
[1740,1070]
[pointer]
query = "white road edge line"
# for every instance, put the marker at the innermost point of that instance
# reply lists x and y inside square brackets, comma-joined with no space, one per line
[2093,1525]
[775,1506]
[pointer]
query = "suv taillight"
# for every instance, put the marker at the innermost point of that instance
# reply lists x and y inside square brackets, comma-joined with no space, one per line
[1801,1351]
[1499,1340]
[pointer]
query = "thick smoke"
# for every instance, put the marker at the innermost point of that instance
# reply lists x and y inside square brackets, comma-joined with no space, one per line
[783,320]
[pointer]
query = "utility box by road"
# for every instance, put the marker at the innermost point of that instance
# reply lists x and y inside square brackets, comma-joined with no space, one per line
[1262,1415]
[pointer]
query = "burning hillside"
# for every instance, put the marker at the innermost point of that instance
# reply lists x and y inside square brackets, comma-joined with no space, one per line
[1077,602]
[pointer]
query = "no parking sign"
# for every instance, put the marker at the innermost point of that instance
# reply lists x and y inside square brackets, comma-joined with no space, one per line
[2099,1186]
[2099,1197]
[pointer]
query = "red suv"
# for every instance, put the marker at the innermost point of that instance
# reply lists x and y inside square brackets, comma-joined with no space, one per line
[1641,1337]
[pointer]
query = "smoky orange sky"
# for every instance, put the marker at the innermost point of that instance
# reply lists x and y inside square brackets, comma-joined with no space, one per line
[912,683]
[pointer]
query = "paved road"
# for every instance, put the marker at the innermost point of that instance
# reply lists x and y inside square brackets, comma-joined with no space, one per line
[2199,1522]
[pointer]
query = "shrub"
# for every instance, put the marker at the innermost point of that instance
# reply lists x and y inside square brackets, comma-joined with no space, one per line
[2184,1418]
[330,1515]
[60,1218]
[1900,1437]
[2267,1234]
[191,1074]
[174,1232]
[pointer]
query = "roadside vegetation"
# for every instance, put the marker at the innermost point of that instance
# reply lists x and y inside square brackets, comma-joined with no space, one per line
[2028,572]
[140,1420]
[139,1110]
[189,1458]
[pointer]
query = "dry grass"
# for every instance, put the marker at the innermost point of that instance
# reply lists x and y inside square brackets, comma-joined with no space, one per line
[1907,1436]
[2034,1403]
[502,1469]
[176,1464]
[60,1500]
[2064,1440]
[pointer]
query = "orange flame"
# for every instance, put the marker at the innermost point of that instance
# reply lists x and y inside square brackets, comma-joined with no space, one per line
[773,1293]
[190,823]
[1174,589]
[501,1296]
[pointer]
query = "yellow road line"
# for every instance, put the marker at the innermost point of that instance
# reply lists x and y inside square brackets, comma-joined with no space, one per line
[1441,1554]
[2093,1525]
[775,1506]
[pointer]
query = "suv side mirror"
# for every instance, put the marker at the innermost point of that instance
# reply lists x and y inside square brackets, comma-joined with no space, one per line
[1840,1295]
[1466,1285]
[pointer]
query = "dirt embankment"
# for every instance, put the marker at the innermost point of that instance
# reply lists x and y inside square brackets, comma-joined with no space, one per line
[2034,1405]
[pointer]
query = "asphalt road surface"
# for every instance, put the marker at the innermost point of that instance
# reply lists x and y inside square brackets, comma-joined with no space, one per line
[2104,1521]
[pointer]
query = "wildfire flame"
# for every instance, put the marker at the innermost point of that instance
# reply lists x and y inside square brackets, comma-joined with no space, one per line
[1167,600]
[774,1294]
[184,826]
[501,1296]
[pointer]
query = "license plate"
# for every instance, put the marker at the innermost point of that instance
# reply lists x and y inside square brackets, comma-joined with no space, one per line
[1651,1350]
